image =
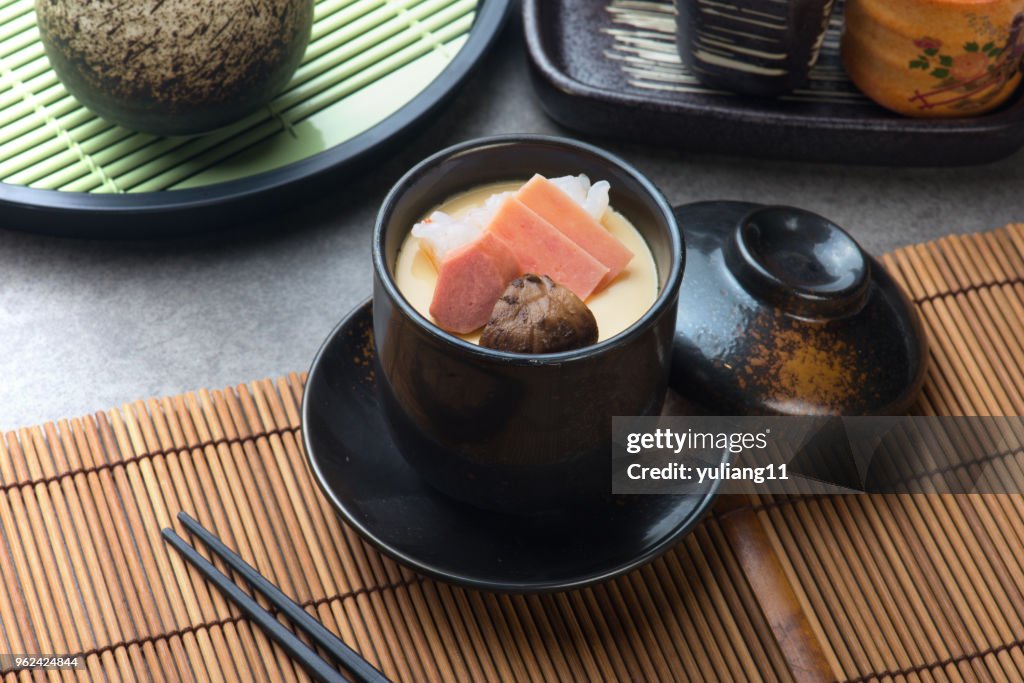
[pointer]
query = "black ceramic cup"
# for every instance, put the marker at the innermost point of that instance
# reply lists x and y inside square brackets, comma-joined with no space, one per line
[527,434]
[756,47]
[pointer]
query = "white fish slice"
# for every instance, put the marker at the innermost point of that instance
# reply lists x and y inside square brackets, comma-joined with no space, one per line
[593,198]
[441,234]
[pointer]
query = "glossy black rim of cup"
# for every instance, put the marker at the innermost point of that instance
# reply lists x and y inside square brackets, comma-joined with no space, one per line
[668,282]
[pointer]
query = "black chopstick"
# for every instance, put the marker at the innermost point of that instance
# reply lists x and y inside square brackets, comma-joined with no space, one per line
[360,669]
[299,651]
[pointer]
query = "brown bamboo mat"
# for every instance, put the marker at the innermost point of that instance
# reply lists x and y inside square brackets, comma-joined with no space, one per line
[915,588]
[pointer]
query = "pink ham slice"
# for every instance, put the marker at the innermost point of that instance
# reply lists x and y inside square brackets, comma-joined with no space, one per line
[469,283]
[556,207]
[541,249]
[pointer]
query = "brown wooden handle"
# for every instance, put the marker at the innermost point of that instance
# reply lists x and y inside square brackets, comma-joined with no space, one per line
[799,645]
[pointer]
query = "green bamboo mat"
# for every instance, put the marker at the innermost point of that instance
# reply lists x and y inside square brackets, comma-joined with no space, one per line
[366,59]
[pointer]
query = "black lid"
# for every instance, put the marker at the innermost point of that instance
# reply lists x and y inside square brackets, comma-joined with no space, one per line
[782,312]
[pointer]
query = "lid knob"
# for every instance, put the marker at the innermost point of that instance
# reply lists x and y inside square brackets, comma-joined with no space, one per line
[799,262]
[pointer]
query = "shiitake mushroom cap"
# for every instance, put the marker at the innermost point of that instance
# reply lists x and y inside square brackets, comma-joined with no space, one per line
[537,315]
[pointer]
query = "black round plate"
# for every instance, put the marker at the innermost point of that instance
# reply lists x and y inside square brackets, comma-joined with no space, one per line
[355,462]
[148,215]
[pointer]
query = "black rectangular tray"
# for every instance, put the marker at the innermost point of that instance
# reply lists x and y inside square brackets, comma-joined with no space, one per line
[610,68]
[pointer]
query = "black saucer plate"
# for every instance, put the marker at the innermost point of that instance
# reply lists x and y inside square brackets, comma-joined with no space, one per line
[368,482]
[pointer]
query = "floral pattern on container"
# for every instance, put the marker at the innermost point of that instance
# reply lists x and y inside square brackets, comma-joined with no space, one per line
[969,76]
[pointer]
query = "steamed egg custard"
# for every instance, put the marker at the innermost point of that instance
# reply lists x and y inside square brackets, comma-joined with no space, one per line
[477,247]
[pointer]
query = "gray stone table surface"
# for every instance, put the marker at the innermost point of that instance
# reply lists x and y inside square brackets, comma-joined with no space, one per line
[87,325]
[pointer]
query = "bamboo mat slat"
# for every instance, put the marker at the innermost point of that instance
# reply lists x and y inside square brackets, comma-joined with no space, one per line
[888,588]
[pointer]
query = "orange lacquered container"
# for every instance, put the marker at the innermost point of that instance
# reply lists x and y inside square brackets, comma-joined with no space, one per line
[935,58]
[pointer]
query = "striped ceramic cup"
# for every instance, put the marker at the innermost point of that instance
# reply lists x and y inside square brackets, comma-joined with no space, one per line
[758,47]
